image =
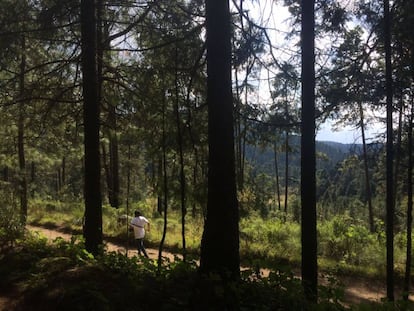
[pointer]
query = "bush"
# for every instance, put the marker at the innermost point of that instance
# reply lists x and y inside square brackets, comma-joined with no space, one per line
[345,240]
[63,276]
[271,238]
[11,227]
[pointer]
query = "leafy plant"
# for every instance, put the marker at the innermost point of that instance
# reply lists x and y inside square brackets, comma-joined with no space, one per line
[11,227]
[348,241]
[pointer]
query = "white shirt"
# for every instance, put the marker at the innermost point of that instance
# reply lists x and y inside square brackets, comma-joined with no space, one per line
[138,224]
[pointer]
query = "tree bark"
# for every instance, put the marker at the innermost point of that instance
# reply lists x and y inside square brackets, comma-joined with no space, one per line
[308,156]
[368,195]
[390,156]
[107,171]
[240,134]
[93,200]
[220,241]
[408,260]
[103,43]
[276,175]
[398,147]
[114,163]
[163,168]
[286,172]
[20,137]
[181,156]
[63,167]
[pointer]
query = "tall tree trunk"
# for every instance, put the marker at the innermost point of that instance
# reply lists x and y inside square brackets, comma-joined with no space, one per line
[181,156]
[286,172]
[275,153]
[93,200]
[220,241]
[20,137]
[308,156]
[32,178]
[191,135]
[194,178]
[160,185]
[63,166]
[276,175]
[368,195]
[389,148]
[240,134]
[164,184]
[107,171]
[22,170]
[114,162]
[128,191]
[6,174]
[59,182]
[408,260]
[32,172]
[103,44]
[398,148]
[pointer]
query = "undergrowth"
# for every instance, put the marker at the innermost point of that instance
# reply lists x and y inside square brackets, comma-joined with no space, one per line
[62,275]
[344,244]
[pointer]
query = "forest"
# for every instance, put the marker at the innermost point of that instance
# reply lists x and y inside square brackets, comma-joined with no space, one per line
[203,115]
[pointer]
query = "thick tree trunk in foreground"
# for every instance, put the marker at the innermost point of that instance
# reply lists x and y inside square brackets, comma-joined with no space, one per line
[308,156]
[93,200]
[389,147]
[220,242]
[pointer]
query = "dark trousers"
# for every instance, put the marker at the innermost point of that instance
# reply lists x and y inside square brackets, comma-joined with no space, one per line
[140,247]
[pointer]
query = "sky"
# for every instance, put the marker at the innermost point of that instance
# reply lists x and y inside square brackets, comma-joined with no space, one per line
[345,135]
[348,135]
[272,15]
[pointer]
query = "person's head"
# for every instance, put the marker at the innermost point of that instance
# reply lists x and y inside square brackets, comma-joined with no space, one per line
[137,213]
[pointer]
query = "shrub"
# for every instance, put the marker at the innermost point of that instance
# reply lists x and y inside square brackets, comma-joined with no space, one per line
[11,227]
[345,240]
[271,238]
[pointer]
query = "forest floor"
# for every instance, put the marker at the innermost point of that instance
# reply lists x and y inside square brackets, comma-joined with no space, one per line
[357,289]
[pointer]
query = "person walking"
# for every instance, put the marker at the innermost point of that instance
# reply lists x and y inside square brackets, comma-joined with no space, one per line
[138,224]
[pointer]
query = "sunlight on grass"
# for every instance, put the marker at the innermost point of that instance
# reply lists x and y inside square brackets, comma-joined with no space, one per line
[345,245]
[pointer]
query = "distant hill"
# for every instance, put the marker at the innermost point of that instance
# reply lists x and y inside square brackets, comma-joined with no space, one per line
[336,151]
[328,155]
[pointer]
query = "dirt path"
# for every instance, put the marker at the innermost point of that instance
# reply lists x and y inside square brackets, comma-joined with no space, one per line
[357,290]
[52,234]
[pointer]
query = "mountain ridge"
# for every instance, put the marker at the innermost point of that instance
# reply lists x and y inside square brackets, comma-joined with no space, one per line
[329,154]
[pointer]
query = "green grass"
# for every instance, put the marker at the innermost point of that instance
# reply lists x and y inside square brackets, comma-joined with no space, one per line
[345,245]
[31,265]
[62,276]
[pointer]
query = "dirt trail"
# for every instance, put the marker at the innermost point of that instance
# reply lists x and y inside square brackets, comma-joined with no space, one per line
[52,234]
[357,290]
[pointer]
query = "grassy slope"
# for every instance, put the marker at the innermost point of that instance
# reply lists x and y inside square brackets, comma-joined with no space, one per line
[262,242]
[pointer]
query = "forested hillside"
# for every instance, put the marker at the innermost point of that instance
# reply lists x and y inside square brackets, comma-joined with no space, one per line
[201,115]
[329,155]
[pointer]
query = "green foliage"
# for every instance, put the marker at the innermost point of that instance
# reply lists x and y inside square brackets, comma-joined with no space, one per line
[270,238]
[52,213]
[345,243]
[52,276]
[74,249]
[11,227]
[348,241]
[62,275]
